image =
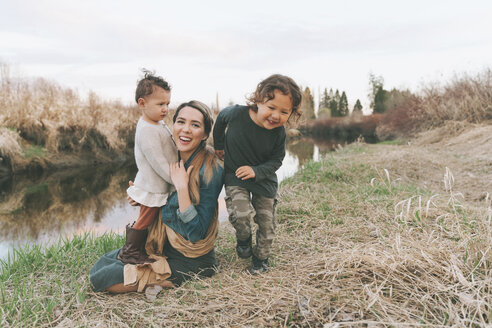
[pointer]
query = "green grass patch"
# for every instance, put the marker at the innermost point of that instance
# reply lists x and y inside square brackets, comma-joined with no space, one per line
[35,282]
[393,142]
[34,151]
[34,189]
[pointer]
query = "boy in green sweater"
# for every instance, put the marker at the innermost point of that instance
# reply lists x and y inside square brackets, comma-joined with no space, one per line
[253,149]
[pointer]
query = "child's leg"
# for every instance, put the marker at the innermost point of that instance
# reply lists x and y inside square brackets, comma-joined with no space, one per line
[146,217]
[240,211]
[265,218]
[133,251]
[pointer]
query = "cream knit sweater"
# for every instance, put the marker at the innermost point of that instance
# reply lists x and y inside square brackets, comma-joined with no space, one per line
[154,151]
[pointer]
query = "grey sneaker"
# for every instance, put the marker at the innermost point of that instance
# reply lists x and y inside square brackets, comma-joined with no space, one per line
[259,266]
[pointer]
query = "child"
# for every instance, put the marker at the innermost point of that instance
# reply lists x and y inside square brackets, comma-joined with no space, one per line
[253,150]
[154,150]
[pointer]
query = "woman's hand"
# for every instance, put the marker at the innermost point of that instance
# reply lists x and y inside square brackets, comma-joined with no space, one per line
[245,172]
[130,200]
[179,175]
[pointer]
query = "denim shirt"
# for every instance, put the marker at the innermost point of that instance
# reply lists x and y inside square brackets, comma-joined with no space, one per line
[193,223]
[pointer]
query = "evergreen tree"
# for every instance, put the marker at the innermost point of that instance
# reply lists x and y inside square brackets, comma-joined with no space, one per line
[331,94]
[325,100]
[337,96]
[334,105]
[380,99]
[357,108]
[324,105]
[377,93]
[343,105]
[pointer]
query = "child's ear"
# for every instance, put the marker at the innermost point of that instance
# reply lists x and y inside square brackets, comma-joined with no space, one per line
[141,103]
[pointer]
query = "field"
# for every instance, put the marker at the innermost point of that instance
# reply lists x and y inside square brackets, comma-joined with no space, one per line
[390,234]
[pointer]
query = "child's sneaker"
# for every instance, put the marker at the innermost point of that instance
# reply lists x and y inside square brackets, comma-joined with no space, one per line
[259,266]
[243,248]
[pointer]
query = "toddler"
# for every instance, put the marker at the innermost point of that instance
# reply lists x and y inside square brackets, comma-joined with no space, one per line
[154,151]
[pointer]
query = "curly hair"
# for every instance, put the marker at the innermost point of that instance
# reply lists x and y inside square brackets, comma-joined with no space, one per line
[266,88]
[146,85]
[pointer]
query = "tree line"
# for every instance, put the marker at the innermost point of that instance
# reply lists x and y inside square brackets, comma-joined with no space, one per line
[335,103]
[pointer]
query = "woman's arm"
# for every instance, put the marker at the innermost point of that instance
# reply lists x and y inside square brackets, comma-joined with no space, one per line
[194,220]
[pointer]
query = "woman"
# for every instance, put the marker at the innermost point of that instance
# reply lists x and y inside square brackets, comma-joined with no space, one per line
[188,229]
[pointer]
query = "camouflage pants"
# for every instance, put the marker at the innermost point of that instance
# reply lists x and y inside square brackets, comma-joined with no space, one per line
[241,208]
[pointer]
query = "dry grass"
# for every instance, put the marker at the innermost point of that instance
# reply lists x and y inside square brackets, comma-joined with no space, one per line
[466,98]
[365,237]
[10,148]
[47,114]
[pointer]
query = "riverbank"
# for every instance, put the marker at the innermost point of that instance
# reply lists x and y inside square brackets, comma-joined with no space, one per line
[381,234]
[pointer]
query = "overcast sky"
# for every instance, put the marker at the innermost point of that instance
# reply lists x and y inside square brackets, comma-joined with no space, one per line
[205,47]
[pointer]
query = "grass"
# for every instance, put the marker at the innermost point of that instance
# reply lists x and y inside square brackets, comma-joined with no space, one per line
[357,244]
[53,119]
[465,98]
[39,285]
[34,151]
[393,142]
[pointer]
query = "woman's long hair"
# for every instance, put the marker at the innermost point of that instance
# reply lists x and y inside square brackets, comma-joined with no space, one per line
[206,156]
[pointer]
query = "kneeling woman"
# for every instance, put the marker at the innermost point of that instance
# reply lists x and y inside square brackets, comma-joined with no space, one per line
[181,244]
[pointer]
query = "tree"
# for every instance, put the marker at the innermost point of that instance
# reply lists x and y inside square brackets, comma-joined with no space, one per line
[357,108]
[325,100]
[333,106]
[307,105]
[343,105]
[324,105]
[324,113]
[377,94]
[380,98]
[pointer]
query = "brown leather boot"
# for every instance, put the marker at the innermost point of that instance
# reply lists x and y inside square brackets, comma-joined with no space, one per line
[134,250]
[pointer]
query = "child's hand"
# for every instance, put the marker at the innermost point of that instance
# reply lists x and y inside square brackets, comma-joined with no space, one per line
[179,175]
[220,154]
[130,200]
[245,172]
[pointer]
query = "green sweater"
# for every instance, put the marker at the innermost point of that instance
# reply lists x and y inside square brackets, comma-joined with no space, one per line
[246,143]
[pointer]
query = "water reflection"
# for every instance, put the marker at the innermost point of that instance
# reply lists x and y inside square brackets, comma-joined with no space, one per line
[40,209]
[305,149]
[63,203]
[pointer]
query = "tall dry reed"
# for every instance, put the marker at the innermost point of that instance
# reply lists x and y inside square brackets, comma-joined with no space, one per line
[47,114]
[466,98]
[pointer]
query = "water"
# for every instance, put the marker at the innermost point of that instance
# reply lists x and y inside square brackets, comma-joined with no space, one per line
[41,209]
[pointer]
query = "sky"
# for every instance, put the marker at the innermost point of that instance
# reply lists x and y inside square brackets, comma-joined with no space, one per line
[224,48]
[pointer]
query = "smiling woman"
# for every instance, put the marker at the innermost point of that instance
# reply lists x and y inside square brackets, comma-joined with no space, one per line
[181,240]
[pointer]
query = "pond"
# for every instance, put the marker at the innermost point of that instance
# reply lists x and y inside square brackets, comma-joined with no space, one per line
[93,199]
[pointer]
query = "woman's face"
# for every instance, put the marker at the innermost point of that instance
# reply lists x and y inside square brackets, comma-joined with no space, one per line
[188,131]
